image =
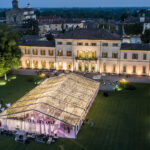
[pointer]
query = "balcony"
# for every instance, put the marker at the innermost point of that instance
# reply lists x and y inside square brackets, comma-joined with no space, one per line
[84,58]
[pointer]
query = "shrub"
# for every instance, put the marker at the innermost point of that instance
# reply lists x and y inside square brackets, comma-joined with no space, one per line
[3,82]
[130,87]
[105,94]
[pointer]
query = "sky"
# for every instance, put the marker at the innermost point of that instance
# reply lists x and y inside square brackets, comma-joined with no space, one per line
[78,3]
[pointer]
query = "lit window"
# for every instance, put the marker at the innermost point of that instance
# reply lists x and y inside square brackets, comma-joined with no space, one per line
[60,53]
[42,52]
[69,53]
[114,68]
[43,64]
[35,52]
[93,54]
[69,66]
[35,63]
[27,51]
[104,67]
[28,64]
[51,65]
[51,52]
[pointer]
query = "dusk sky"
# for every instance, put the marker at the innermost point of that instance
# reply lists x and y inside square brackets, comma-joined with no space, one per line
[77,3]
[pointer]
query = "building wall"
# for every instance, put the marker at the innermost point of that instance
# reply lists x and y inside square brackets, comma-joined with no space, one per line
[94,59]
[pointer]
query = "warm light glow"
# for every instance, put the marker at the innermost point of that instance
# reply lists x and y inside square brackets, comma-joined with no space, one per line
[139,72]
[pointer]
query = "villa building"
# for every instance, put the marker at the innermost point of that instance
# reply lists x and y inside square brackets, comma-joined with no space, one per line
[85,50]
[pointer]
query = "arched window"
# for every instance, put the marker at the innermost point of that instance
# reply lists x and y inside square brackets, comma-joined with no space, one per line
[104,67]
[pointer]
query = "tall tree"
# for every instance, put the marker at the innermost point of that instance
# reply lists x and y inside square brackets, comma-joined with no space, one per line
[32,26]
[9,52]
[49,37]
[146,36]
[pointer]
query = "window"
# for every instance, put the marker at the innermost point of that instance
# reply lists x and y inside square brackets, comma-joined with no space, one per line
[43,64]
[93,44]
[114,55]
[69,53]
[144,56]
[115,44]
[28,64]
[51,65]
[35,52]
[93,54]
[27,51]
[105,44]
[35,63]
[59,43]
[124,69]
[60,53]
[104,67]
[134,69]
[69,43]
[104,55]
[144,70]
[69,66]
[125,55]
[134,56]
[114,68]
[79,43]
[51,52]
[42,52]
[86,44]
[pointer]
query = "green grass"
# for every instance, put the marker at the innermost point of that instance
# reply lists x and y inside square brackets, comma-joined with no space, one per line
[121,121]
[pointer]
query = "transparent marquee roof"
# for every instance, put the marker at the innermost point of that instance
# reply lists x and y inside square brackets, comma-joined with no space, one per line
[65,98]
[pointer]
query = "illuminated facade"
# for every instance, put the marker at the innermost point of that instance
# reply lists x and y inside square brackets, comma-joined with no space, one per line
[89,55]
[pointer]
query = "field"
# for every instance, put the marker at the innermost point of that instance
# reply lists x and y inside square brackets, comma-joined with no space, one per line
[121,121]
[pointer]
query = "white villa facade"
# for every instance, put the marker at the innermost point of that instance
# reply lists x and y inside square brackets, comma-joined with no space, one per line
[88,51]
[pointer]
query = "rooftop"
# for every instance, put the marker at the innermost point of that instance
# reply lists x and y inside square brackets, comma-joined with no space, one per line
[132,46]
[91,34]
[38,43]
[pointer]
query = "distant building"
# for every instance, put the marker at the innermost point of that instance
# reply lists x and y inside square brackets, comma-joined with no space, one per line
[142,19]
[50,24]
[18,15]
[132,39]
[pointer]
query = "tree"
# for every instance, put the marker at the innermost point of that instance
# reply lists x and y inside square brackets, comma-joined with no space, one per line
[146,36]
[133,29]
[124,16]
[9,52]
[49,37]
[32,26]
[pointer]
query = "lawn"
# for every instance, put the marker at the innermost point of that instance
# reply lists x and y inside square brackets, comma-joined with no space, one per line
[121,121]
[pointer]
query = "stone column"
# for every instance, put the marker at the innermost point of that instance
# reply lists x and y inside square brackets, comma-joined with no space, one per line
[31,64]
[83,67]
[90,67]
[95,67]
[47,65]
